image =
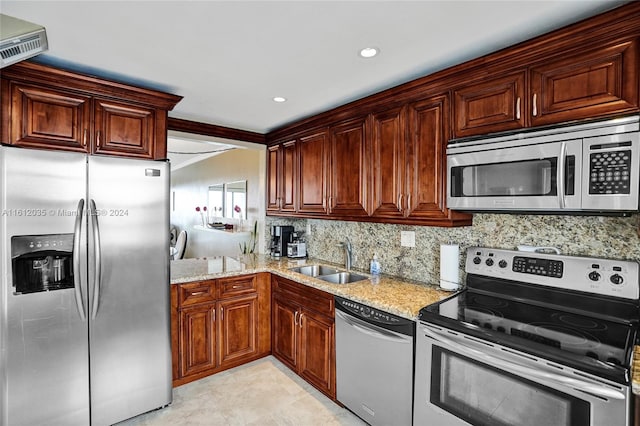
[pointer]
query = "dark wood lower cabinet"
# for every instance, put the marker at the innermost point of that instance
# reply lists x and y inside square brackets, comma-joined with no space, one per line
[219,324]
[303,332]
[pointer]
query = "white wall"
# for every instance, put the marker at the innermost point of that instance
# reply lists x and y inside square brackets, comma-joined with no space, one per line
[189,187]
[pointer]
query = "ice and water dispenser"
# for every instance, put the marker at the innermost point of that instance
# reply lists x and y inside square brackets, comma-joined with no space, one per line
[42,262]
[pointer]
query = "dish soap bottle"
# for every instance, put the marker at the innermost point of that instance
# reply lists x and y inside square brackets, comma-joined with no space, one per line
[375,265]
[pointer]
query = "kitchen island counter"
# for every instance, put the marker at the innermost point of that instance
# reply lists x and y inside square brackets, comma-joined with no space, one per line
[397,296]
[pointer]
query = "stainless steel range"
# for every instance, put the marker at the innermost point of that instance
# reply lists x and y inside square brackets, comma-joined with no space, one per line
[533,339]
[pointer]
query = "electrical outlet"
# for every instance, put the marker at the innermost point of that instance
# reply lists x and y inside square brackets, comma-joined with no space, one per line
[407,238]
[308,229]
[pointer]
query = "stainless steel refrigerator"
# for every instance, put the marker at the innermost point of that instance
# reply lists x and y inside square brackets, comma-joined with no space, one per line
[84,279]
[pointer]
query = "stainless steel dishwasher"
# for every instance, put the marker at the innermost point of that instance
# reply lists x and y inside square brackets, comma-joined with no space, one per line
[374,363]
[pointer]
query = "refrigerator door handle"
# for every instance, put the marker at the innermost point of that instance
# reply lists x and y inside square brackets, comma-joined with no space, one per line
[98,259]
[76,259]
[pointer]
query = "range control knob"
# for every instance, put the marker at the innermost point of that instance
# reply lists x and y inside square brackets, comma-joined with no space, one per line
[489,262]
[616,279]
[477,260]
[502,263]
[594,276]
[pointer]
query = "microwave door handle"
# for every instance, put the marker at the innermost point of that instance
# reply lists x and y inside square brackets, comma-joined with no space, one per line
[97,259]
[562,161]
[77,230]
[508,365]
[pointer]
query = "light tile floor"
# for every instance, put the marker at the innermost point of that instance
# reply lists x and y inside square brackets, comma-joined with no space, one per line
[263,392]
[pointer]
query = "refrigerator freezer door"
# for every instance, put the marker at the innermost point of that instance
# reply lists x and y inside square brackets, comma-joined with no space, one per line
[128,288]
[44,371]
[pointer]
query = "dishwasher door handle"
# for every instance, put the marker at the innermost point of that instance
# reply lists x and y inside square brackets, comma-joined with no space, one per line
[372,330]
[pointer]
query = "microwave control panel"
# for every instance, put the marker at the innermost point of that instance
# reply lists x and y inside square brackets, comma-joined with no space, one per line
[609,171]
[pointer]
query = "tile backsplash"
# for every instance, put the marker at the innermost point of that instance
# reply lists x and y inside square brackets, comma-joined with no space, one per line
[610,237]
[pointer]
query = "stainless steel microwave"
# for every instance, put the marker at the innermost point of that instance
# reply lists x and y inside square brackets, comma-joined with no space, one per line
[587,168]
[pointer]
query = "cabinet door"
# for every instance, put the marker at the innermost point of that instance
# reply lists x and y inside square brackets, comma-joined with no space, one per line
[282,163]
[123,129]
[428,124]
[388,163]
[490,106]
[285,331]
[197,339]
[599,82]
[312,180]
[316,361]
[49,118]
[238,328]
[349,169]
[274,158]
[289,177]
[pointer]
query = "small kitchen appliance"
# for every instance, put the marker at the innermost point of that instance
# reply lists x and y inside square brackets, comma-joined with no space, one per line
[533,339]
[588,168]
[297,248]
[280,237]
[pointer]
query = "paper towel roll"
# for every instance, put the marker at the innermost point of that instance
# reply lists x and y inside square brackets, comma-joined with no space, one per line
[449,267]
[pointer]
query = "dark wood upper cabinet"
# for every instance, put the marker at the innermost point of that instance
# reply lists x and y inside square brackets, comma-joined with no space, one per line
[124,129]
[388,163]
[313,169]
[44,117]
[349,168]
[426,163]
[492,105]
[591,84]
[282,173]
[49,108]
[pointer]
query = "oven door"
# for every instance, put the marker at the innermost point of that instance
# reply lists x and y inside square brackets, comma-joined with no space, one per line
[537,176]
[463,380]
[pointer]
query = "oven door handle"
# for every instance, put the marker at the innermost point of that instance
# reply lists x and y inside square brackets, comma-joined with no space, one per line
[527,372]
[372,330]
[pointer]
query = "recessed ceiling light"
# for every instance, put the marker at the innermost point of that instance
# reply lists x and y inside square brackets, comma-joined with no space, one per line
[279,99]
[369,52]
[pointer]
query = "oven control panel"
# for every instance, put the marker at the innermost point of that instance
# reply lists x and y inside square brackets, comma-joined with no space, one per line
[609,277]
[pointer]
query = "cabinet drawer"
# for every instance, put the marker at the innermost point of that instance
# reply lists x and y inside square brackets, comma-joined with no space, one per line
[196,292]
[309,297]
[235,286]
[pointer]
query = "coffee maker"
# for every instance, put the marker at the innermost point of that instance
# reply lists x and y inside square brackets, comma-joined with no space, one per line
[280,237]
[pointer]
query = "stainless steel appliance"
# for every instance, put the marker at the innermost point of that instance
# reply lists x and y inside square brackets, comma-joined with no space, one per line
[280,237]
[84,288]
[374,363]
[297,248]
[589,168]
[534,339]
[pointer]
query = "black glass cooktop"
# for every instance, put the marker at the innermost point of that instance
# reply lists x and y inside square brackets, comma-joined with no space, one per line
[578,339]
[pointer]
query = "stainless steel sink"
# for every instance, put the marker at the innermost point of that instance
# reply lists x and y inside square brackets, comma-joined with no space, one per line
[343,278]
[314,270]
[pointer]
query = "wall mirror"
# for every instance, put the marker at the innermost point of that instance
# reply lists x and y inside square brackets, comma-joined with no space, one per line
[236,199]
[216,201]
[227,200]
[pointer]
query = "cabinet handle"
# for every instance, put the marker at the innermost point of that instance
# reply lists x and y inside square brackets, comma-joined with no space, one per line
[535,104]
[295,319]
[409,202]
[518,108]
[300,322]
[85,136]
[324,203]
[214,315]
[221,313]
[400,196]
[235,286]
[198,293]
[98,138]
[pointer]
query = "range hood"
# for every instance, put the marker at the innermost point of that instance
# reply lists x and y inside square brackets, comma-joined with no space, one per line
[20,40]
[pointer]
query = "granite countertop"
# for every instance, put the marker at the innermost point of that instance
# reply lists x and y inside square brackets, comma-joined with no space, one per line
[391,294]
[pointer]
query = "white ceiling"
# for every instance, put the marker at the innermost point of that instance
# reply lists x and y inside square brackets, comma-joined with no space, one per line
[230,58]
